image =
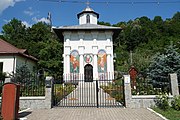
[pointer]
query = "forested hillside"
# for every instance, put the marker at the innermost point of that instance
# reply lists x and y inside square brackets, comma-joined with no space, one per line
[39,41]
[142,37]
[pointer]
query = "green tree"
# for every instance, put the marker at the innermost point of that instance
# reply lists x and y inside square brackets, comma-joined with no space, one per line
[15,33]
[40,43]
[51,58]
[104,23]
[164,64]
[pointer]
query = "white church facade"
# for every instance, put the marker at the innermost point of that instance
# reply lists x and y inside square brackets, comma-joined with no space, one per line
[88,48]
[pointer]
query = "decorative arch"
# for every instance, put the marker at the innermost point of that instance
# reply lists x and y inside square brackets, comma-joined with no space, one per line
[102,61]
[74,62]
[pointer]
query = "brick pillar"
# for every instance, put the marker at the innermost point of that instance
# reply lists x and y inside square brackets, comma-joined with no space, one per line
[174,84]
[127,91]
[48,92]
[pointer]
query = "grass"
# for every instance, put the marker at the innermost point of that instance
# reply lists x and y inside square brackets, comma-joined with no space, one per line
[115,90]
[170,114]
[62,91]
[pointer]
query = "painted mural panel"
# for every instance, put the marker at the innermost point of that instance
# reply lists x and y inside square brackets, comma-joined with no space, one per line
[102,62]
[88,58]
[74,62]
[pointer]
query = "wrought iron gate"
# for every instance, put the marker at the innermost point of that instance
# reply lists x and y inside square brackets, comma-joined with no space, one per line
[98,93]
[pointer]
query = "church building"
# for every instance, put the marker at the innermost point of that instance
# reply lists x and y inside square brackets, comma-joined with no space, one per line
[88,48]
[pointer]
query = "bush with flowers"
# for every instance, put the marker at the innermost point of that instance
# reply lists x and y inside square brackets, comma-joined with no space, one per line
[162,102]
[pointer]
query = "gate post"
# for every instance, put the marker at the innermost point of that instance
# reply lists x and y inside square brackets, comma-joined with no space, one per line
[10,101]
[127,91]
[174,84]
[48,92]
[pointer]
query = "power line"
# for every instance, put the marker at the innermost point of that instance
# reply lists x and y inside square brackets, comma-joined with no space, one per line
[111,2]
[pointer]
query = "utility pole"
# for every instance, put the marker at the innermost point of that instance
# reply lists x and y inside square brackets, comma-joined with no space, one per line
[131,59]
[50,21]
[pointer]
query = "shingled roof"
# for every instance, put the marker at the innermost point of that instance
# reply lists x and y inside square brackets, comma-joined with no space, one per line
[8,49]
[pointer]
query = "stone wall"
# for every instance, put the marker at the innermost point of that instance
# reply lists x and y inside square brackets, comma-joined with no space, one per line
[32,102]
[37,102]
[144,101]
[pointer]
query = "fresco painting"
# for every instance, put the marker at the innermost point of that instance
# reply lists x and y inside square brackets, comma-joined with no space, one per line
[102,62]
[74,62]
[88,58]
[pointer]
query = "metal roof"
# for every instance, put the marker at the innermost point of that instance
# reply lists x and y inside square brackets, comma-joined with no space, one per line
[86,27]
[88,10]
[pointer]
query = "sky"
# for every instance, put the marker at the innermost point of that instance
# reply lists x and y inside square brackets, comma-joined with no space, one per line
[64,13]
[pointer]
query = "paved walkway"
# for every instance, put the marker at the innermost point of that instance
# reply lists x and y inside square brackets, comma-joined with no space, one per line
[91,114]
[85,95]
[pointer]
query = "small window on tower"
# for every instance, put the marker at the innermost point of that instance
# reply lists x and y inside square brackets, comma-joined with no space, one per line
[88,18]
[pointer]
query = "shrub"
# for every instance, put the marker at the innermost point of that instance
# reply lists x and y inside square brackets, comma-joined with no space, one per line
[162,102]
[176,103]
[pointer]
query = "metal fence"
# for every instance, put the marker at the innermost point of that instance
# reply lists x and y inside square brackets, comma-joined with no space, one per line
[1,86]
[31,86]
[147,86]
[97,93]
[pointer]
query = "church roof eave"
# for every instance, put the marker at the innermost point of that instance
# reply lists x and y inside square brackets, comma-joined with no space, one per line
[87,27]
[88,10]
[78,15]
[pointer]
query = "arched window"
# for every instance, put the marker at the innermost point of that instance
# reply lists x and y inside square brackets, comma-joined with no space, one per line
[88,18]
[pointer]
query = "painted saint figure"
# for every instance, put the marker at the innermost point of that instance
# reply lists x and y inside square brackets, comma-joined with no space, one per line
[74,62]
[102,63]
[75,65]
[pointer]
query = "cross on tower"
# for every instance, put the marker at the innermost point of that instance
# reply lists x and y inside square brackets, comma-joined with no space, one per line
[87,3]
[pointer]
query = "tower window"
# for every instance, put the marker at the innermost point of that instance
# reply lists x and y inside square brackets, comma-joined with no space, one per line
[88,18]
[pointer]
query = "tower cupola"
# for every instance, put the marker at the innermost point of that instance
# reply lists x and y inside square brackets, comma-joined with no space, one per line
[88,16]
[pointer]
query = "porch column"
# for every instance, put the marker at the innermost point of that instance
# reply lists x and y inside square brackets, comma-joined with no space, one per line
[95,72]
[109,66]
[81,61]
[112,65]
[95,67]
[81,66]
[67,67]
[67,50]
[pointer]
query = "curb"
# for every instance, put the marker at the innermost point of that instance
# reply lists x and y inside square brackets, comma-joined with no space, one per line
[24,110]
[164,118]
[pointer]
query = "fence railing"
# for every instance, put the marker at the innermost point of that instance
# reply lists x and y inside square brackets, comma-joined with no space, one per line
[31,86]
[89,93]
[147,86]
[1,86]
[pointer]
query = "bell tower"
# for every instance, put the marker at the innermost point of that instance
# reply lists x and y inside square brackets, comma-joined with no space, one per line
[88,16]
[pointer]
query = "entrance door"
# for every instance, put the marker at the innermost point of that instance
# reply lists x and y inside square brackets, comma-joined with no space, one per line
[88,73]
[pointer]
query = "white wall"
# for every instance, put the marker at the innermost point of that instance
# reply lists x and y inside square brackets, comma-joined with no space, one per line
[93,18]
[84,43]
[10,63]
[21,61]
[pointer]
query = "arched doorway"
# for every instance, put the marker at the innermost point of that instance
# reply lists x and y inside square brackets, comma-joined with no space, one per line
[88,73]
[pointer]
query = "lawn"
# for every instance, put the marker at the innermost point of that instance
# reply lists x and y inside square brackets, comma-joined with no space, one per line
[170,114]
